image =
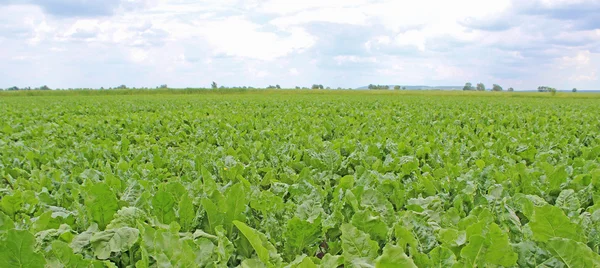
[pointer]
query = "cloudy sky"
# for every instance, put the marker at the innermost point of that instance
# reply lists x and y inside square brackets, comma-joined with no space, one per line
[337,43]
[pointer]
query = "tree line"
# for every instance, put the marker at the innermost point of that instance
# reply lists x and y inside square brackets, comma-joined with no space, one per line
[468,87]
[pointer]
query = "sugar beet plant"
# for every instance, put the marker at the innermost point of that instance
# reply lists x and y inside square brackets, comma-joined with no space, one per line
[294,180]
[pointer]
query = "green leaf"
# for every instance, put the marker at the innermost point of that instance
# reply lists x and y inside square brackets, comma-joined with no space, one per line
[474,252]
[166,247]
[225,248]
[6,223]
[370,222]
[127,217]
[187,213]
[306,263]
[568,201]
[550,222]
[264,249]
[331,261]
[452,237]
[66,258]
[113,240]
[252,263]
[163,206]
[101,204]
[499,251]
[404,238]
[442,257]
[235,205]
[573,253]
[392,257]
[300,234]
[302,261]
[17,250]
[215,217]
[530,255]
[82,240]
[357,245]
[558,177]
[11,204]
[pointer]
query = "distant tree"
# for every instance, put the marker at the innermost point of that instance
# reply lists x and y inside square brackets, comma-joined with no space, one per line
[164,86]
[403,88]
[12,88]
[468,86]
[327,88]
[574,90]
[121,87]
[511,89]
[213,85]
[480,87]
[552,91]
[397,87]
[297,87]
[277,87]
[496,87]
[44,87]
[371,86]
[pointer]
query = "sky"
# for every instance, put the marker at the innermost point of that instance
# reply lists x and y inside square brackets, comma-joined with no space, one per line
[337,43]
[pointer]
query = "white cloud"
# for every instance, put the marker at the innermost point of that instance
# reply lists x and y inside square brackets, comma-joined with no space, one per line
[584,77]
[342,59]
[580,60]
[258,42]
[236,36]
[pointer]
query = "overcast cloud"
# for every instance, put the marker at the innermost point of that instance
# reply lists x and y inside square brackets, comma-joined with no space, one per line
[337,43]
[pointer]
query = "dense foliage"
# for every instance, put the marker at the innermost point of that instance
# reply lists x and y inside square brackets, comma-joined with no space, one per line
[294,180]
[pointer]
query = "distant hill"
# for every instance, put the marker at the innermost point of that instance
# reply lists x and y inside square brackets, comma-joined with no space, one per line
[423,87]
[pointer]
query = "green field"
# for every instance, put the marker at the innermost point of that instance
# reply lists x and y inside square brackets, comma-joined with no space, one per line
[299,179]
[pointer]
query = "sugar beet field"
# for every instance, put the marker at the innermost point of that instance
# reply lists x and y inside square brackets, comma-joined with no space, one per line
[300,179]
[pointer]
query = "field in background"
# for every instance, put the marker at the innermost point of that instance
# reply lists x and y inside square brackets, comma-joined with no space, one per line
[528,94]
[299,178]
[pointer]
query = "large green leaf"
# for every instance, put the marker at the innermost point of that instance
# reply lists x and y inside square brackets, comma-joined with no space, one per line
[394,256]
[163,206]
[264,249]
[573,253]
[101,204]
[6,223]
[127,217]
[500,252]
[82,240]
[549,222]
[474,252]
[357,244]
[370,222]
[442,257]
[17,250]
[300,234]
[166,248]
[187,213]
[11,204]
[234,205]
[113,240]
[64,257]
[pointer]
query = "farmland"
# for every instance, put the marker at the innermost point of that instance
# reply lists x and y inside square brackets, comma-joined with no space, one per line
[300,179]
